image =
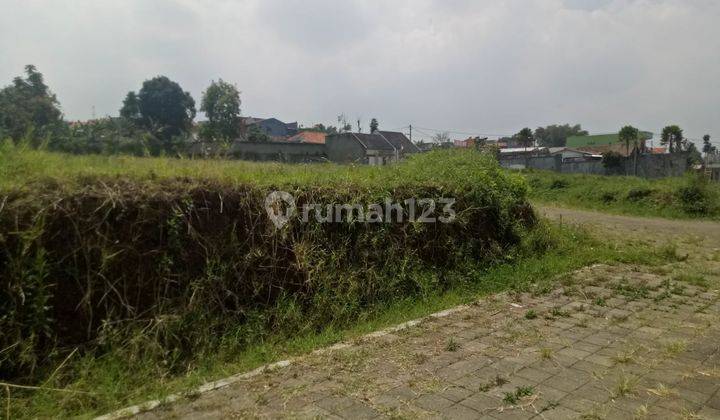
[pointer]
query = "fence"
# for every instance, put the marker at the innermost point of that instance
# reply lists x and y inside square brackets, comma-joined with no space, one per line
[647,166]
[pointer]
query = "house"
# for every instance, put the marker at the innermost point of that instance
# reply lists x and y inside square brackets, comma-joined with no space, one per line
[601,140]
[601,149]
[512,152]
[470,142]
[574,155]
[378,148]
[314,137]
[271,126]
[712,166]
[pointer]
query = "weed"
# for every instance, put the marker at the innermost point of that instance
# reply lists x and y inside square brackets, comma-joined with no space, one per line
[662,391]
[495,382]
[452,345]
[693,279]
[512,398]
[600,301]
[559,313]
[546,353]
[676,347]
[625,386]
[531,314]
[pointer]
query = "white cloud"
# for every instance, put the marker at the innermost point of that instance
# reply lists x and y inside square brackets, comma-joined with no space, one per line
[487,66]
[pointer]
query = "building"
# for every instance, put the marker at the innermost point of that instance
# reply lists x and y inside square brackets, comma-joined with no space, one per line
[601,140]
[271,126]
[512,152]
[378,148]
[314,137]
[279,151]
[574,155]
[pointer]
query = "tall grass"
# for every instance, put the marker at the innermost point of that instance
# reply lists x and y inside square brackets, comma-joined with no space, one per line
[691,196]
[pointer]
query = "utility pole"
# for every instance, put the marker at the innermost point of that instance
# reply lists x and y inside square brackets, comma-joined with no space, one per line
[410,132]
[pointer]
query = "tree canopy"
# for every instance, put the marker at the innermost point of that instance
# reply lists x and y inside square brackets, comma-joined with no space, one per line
[28,104]
[708,147]
[556,135]
[525,137]
[163,107]
[672,136]
[221,104]
[374,125]
[629,135]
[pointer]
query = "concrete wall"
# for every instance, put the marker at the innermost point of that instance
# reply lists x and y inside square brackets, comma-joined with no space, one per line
[658,166]
[281,152]
[547,163]
[648,166]
[342,148]
[593,167]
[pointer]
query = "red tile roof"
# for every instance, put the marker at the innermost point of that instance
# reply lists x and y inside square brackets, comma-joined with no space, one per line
[308,137]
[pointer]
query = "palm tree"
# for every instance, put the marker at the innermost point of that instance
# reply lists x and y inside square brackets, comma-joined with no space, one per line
[672,135]
[628,135]
[525,137]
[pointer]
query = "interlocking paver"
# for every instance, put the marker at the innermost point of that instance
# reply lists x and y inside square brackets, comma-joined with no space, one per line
[655,363]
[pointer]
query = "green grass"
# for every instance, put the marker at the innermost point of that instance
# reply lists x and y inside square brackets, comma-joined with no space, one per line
[23,167]
[676,198]
[130,371]
[116,383]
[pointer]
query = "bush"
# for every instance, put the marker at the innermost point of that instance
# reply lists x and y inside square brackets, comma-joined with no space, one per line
[637,194]
[558,184]
[695,196]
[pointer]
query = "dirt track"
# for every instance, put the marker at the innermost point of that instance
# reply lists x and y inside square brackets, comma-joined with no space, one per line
[652,227]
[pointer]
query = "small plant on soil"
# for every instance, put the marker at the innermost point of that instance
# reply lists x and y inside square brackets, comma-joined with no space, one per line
[495,382]
[521,392]
[452,345]
[530,314]
[559,313]
[625,386]
[675,348]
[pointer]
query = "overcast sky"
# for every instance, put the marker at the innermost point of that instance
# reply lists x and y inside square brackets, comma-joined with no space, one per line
[476,66]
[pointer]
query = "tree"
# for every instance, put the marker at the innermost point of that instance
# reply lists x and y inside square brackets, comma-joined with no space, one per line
[672,136]
[441,138]
[255,134]
[165,109]
[221,104]
[629,135]
[131,107]
[373,125]
[708,147]
[28,105]
[556,135]
[525,137]
[343,123]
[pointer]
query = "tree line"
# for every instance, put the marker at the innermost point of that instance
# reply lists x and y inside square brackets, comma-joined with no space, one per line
[155,120]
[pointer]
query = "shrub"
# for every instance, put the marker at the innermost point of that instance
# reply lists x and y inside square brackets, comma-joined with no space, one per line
[695,196]
[558,184]
[637,194]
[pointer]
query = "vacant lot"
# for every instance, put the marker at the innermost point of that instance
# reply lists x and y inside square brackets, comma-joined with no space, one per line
[687,197]
[607,341]
[126,272]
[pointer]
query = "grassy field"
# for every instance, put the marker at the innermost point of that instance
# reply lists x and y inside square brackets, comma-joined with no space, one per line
[686,197]
[124,279]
